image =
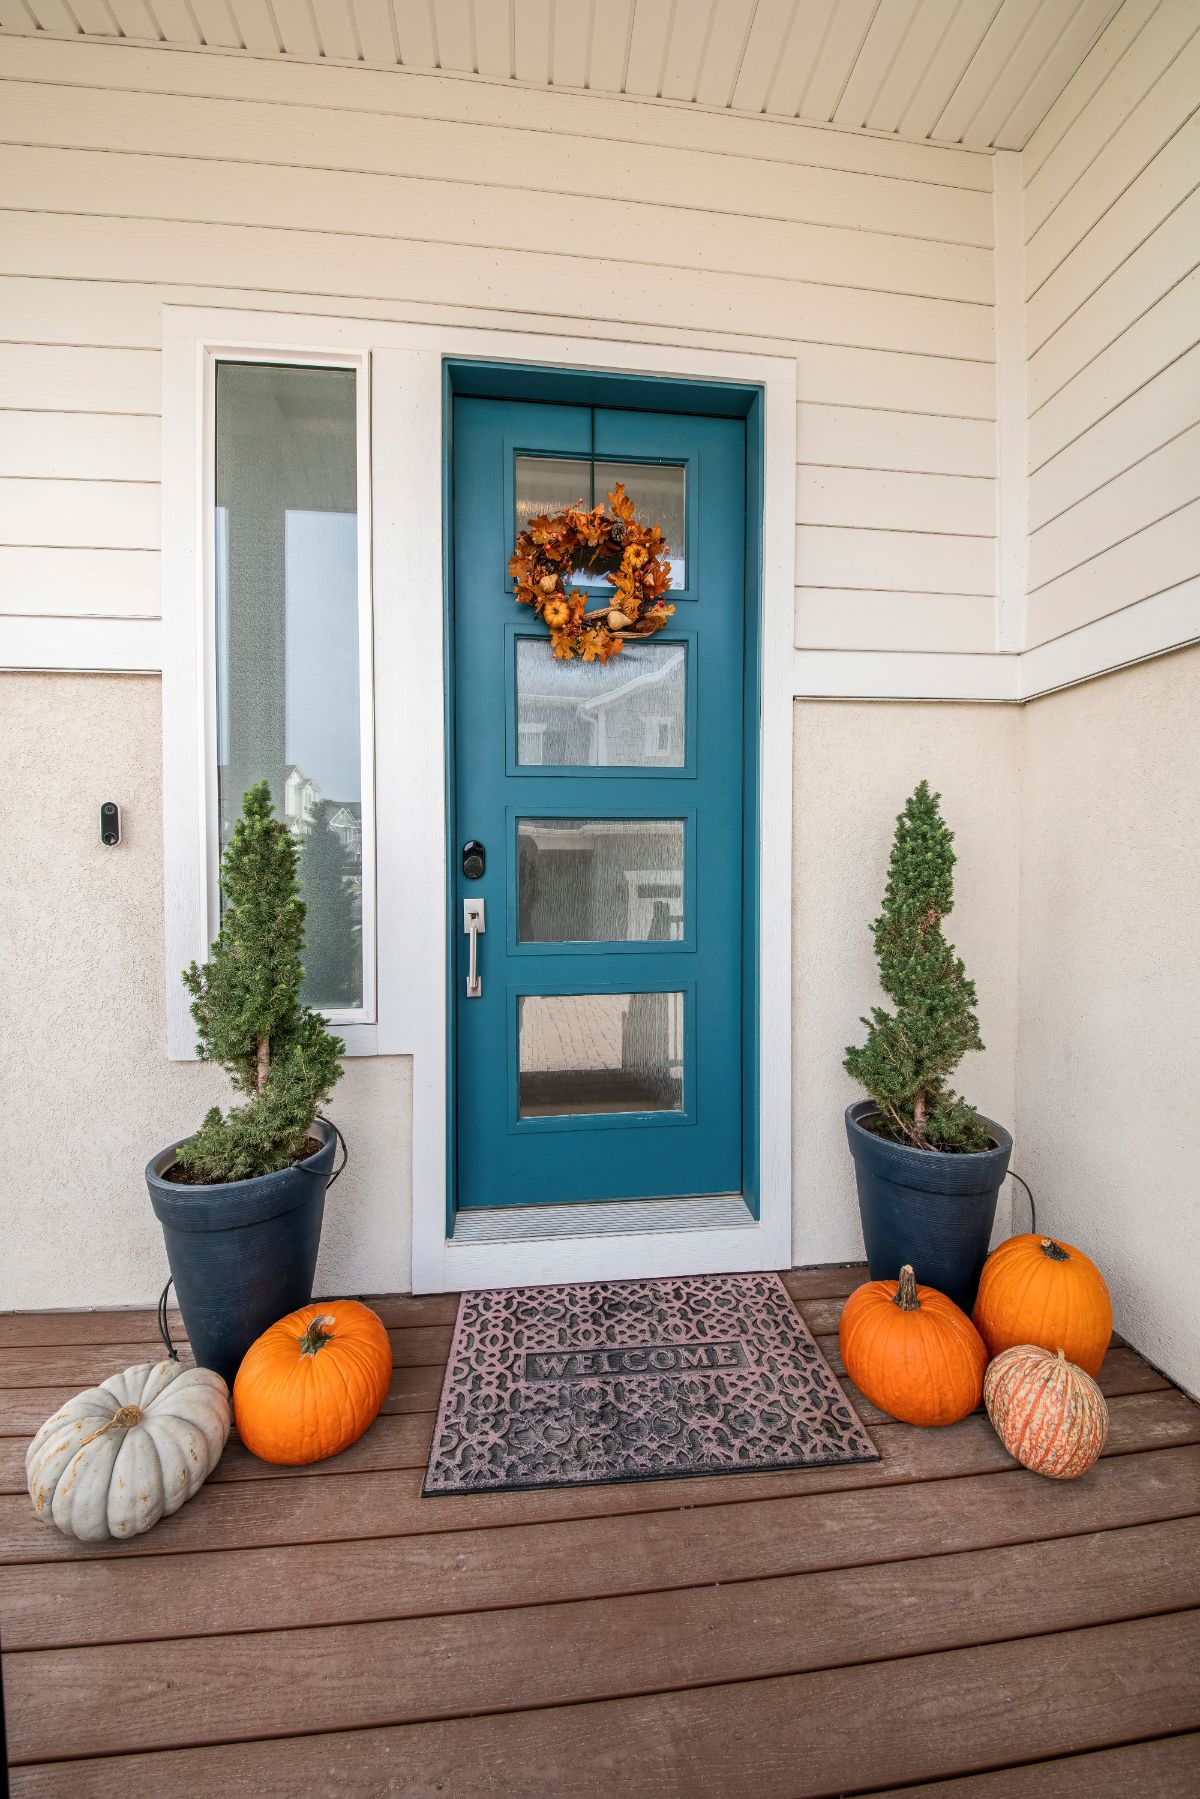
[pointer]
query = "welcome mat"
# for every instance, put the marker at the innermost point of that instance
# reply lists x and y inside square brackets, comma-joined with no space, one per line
[635,1380]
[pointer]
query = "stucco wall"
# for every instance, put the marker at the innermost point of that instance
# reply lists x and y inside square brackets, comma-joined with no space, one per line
[82,1054]
[83,1066]
[1077,821]
[1107,1104]
[855,765]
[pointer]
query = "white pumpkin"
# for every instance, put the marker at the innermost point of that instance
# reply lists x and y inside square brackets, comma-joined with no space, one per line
[117,1458]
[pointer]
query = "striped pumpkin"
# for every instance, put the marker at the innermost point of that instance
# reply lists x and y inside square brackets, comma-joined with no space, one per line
[1048,1413]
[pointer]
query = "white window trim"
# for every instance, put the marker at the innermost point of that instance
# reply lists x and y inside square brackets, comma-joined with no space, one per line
[406,566]
[190,663]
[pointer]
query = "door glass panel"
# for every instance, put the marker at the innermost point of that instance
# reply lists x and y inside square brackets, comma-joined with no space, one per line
[599,880]
[584,1053]
[546,484]
[627,713]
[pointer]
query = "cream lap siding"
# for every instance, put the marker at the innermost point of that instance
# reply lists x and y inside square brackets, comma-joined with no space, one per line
[1113,327]
[137,178]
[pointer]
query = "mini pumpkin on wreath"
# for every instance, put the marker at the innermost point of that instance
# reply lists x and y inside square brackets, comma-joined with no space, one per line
[632,557]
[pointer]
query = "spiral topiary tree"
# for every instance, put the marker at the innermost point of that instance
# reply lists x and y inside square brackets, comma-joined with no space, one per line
[246,1004]
[910,1053]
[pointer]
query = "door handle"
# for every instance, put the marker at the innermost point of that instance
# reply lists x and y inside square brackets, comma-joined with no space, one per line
[474,925]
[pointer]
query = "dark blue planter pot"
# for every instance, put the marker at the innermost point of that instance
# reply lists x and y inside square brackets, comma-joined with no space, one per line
[931,1210]
[243,1253]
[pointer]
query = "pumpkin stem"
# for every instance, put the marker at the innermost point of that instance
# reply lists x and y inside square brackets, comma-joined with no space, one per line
[1054,1251]
[906,1291]
[124,1419]
[316,1336]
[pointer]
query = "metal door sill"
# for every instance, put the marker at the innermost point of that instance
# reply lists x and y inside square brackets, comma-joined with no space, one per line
[610,1218]
[517,1246]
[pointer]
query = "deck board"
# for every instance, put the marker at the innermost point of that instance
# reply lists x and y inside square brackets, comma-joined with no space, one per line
[84,1365]
[47,1604]
[416,1388]
[1163,1769]
[804,1736]
[940,1621]
[395,1671]
[1140,1420]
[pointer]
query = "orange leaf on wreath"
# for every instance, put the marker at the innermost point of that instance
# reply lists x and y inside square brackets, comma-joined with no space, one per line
[622,505]
[551,549]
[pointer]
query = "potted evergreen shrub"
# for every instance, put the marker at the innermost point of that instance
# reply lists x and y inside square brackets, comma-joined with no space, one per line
[929,1167]
[241,1201]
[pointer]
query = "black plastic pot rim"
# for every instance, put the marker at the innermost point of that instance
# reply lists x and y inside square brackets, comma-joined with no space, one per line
[190,1206]
[866,1108]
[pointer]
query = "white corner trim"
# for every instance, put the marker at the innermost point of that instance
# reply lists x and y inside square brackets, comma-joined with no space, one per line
[904,675]
[1151,627]
[776,739]
[1012,425]
[187,730]
[78,645]
[1164,621]
[410,769]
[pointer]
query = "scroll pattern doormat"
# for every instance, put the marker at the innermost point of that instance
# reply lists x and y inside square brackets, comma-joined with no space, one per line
[635,1380]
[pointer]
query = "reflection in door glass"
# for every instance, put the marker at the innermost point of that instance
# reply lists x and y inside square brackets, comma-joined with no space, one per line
[587,1053]
[657,492]
[599,880]
[549,483]
[546,484]
[627,713]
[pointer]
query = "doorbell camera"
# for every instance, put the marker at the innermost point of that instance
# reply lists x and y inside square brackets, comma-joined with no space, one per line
[110,824]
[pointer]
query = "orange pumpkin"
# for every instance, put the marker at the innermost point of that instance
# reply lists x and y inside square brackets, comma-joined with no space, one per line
[1047,1412]
[912,1351]
[1034,1290]
[311,1385]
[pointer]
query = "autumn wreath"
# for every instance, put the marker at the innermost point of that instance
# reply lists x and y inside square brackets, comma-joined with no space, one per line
[632,557]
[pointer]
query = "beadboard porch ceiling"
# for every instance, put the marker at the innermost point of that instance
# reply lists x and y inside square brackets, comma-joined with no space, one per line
[981,73]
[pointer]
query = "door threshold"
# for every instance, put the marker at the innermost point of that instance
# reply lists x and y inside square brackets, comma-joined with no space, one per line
[601,1218]
[518,1246]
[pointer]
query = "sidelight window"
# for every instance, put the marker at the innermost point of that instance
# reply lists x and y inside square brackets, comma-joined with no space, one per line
[292,650]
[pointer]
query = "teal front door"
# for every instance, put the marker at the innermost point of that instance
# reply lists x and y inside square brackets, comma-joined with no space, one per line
[598,817]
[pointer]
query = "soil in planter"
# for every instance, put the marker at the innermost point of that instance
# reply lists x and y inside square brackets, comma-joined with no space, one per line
[879,1127]
[191,1177]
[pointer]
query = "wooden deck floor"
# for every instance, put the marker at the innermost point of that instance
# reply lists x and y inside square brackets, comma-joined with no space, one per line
[942,1617]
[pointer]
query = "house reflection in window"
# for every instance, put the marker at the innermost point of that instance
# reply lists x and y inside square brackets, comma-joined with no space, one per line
[600,880]
[626,713]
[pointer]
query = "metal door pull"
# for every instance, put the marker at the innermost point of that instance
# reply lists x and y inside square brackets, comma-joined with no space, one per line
[475,925]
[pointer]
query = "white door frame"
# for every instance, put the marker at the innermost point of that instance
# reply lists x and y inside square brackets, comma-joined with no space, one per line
[407,398]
